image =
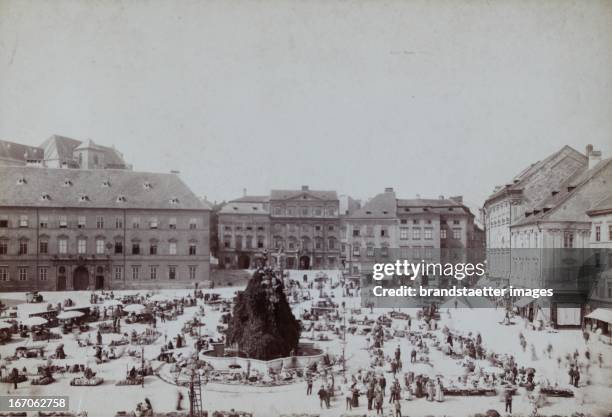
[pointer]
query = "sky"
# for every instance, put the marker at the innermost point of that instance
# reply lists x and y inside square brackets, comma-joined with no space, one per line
[429,97]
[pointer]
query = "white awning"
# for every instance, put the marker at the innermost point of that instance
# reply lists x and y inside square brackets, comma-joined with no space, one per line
[602,314]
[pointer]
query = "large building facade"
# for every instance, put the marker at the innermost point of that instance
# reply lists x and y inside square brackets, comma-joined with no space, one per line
[243,231]
[305,225]
[302,225]
[551,241]
[527,190]
[66,229]
[388,228]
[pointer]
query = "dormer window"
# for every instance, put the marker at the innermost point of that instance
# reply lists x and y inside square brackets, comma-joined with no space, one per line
[106,183]
[121,199]
[21,181]
[45,197]
[147,186]
[67,183]
[174,200]
[83,198]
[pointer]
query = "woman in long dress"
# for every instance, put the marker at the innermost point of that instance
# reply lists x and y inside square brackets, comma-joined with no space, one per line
[439,391]
[430,390]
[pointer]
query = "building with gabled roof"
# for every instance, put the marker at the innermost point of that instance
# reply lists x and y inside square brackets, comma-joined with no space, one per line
[16,154]
[63,152]
[528,189]
[550,243]
[83,229]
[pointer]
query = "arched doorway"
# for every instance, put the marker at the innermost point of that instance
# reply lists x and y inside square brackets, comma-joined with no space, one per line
[99,283]
[80,279]
[305,262]
[244,262]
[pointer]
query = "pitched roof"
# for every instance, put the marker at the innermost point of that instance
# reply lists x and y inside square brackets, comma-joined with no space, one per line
[382,206]
[427,202]
[604,206]
[60,147]
[234,207]
[110,188]
[290,194]
[251,199]
[19,152]
[571,187]
[112,157]
[519,181]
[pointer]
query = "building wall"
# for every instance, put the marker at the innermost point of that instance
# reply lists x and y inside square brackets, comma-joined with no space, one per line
[370,241]
[510,205]
[602,239]
[131,228]
[308,230]
[242,237]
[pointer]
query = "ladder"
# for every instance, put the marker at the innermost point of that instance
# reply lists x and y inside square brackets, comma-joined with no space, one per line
[195,395]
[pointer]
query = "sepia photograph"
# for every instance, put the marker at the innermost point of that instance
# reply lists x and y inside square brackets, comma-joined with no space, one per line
[288,208]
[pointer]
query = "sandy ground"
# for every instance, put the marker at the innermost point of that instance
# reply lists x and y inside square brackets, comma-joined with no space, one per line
[106,399]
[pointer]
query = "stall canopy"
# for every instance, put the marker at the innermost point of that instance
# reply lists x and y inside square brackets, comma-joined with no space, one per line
[601,314]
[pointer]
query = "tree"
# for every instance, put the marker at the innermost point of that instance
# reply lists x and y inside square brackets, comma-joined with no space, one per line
[262,324]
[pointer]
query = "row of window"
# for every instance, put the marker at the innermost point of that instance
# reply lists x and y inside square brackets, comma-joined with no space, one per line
[598,233]
[80,222]
[248,242]
[229,228]
[304,211]
[136,273]
[292,228]
[101,247]
[304,244]
[406,252]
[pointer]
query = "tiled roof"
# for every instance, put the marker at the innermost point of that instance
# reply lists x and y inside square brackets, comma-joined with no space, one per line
[603,206]
[289,194]
[251,199]
[234,207]
[427,202]
[518,182]
[570,188]
[19,152]
[111,188]
[112,157]
[60,147]
[382,206]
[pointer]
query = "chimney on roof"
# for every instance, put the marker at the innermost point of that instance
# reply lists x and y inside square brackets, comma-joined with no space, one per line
[594,157]
[418,196]
[457,199]
[389,190]
[244,192]
[304,188]
[441,197]
[175,172]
